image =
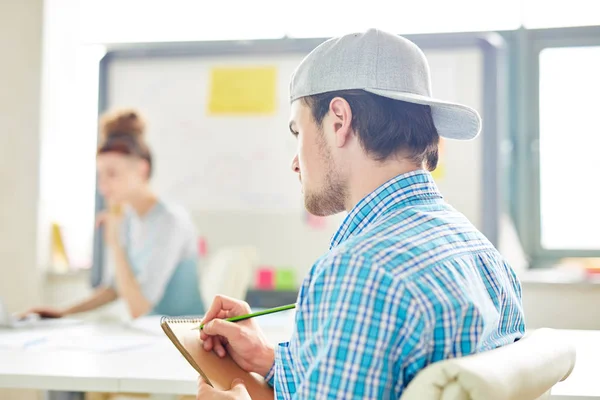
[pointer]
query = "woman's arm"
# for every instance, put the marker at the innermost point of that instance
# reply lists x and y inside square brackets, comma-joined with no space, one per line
[127,285]
[143,290]
[100,297]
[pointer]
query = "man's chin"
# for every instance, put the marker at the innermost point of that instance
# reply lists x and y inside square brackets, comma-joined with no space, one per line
[318,208]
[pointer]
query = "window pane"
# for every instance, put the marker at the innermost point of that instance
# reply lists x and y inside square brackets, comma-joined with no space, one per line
[552,14]
[405,17]
[569,144]
[182,20]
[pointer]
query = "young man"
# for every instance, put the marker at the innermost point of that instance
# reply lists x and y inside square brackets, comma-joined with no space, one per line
[407,280]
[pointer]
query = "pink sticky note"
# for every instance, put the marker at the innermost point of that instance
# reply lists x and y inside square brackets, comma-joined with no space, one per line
[202,249]
[265,279]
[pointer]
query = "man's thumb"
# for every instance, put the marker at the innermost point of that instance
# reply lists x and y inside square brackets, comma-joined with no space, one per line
[237,382]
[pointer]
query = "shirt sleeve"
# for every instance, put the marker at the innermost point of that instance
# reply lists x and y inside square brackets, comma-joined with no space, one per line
[356,327]
[270,377]
[160,258]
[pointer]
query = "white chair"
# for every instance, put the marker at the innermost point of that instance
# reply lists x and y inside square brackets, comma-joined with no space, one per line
[228,272]
[525,370]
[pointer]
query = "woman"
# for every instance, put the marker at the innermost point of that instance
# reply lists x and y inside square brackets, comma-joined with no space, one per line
[153,245]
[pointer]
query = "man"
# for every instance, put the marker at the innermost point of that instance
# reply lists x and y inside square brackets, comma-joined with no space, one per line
[407,281]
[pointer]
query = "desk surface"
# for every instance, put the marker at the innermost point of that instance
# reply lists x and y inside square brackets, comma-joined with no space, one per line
[583,383]
[156,367]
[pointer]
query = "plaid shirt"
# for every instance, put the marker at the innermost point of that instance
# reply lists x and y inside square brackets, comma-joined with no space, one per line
[407,281]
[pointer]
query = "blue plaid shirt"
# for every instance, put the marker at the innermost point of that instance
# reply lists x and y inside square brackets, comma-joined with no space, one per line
[408,281]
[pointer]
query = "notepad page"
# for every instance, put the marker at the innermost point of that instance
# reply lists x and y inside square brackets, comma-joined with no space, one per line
[220,372]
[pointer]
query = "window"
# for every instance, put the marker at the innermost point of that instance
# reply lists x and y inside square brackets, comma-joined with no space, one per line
[554,83]
[111,21]
[554,14]
[569,144]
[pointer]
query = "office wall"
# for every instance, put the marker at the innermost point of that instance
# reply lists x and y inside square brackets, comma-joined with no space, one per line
[20,76]
[561,305]
[68,120]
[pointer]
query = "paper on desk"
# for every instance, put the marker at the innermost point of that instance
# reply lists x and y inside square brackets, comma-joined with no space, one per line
[149,325]
[284,319]
[100,343]
[277,327]
[20,339]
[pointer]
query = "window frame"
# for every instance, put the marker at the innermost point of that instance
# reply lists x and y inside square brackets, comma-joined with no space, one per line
[525,198]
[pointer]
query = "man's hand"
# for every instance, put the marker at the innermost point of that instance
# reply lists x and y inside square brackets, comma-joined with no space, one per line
[244,340]
[238,391]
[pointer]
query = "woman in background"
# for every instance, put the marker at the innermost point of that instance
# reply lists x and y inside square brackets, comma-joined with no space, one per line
[153,245]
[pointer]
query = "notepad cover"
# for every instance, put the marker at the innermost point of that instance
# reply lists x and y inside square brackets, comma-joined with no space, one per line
[217,372]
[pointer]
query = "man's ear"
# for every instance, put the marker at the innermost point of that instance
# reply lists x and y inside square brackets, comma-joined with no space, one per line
[341,118]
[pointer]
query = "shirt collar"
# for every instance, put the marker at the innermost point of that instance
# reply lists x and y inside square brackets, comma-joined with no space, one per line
[403,190]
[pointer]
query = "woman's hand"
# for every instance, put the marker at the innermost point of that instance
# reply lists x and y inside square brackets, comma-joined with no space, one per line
[45,312]
[111,220]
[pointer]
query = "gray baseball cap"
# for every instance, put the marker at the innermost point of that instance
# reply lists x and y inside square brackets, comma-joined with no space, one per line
[384,64]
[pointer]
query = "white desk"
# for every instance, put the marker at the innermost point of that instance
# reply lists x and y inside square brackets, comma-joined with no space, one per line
[156,368]
[159,369]
[584,382]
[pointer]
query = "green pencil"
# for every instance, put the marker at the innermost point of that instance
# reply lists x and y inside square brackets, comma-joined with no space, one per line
[256,314]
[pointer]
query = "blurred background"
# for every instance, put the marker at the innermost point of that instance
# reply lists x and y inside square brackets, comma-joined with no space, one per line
[529,182]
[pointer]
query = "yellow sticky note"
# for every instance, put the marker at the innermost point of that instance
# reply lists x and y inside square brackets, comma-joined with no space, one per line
[440,172]
[60,261]
[243,91]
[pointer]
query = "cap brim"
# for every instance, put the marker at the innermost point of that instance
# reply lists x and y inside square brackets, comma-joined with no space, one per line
[452,120]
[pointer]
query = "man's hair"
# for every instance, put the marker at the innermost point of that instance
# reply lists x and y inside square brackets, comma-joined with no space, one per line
[385,127]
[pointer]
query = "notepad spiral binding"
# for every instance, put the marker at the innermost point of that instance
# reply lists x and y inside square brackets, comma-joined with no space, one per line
[180,320]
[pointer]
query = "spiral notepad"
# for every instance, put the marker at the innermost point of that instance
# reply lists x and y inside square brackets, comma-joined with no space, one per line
[217,372]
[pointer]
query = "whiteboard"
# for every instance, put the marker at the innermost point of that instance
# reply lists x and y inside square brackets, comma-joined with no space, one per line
[233,173]
[242,163]
[210,162]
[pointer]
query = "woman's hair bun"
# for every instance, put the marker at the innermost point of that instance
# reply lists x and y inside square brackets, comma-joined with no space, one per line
[122,122]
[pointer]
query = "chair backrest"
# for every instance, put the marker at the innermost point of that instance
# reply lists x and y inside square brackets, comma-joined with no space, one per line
[228,272]
[524,370]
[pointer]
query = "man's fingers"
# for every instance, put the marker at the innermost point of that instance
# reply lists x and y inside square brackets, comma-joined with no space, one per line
[236,382]
[225,303]
[204,389]
[238,387]
[220,327]
[215,325]
[219,303]
[208,343]
[219,348]
[222,315]
[217,344]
